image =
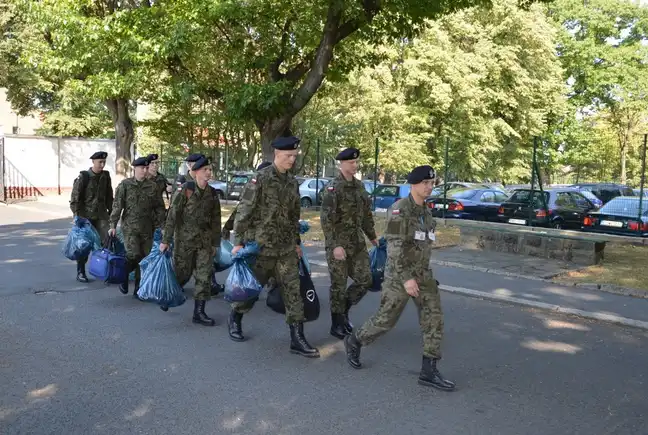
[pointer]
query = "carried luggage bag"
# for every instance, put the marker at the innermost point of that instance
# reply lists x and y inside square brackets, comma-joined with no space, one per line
[108,266]
[307,289]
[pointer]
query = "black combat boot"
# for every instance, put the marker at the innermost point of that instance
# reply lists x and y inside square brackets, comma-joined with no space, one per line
[431,377]
[352,347]
[199,315]
[298,343]
[235,327]
[138,278]
[216,288]
[338,329]
[123,287]
[81,275]
[348,327]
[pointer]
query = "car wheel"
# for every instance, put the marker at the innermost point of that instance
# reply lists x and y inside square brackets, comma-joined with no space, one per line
[557,225]
[306,202]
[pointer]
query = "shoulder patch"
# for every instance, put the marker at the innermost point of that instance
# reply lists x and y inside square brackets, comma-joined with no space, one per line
[396,211]
[253,181]
[331,188]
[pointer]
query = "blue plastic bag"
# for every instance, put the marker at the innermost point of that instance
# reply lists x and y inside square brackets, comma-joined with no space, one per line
[81,240]
[377,261]
[241,284]
[223,258]
[159,283]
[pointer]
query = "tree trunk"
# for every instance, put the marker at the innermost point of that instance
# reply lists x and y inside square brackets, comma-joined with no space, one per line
[624,155]
[270,130]
[124,135]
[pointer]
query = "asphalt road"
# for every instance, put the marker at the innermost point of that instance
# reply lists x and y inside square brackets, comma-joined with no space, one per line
[83,359]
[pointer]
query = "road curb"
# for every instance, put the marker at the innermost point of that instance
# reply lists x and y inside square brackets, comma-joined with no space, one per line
[618,320]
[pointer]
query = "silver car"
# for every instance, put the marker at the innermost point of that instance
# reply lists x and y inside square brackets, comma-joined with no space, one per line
[307,190]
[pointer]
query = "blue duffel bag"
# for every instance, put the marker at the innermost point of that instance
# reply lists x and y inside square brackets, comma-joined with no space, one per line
[107,266]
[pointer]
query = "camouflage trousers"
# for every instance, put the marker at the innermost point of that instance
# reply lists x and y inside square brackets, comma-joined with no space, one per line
[285,271]
[138,245]
[102,226]
[392,303]
[355,266]
[199,261]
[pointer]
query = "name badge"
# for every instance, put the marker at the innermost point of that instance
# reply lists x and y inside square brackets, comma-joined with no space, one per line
[419,235]
[431,236]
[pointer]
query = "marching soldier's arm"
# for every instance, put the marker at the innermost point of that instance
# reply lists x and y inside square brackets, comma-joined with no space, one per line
[294,216]
[397,245]
[109,194]
[245,211]
[368,225]
[216,223]
[175,209]
[158,209]
[118,205]
[75,204]
[229,225]
[327,215]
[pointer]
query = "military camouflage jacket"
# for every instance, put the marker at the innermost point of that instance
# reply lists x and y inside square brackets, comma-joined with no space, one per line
[95,199]
[138,205]
[410,237]
[269,212]
[161,182]
[194,217]
[346,214]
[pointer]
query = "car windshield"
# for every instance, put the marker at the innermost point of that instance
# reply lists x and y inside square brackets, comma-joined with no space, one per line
[461,193]
[386,191]
[524,196]
[625,206]
[589,195]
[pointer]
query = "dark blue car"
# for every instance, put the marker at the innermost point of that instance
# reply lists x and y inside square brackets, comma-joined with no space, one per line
[387,194]
[472,203]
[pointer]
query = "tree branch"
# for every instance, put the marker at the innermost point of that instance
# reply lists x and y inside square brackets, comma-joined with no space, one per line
[275,75]
[176,67]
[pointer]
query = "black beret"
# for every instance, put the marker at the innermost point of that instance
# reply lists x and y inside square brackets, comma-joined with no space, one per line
[194,157]
[285,143]
[263,165]
[141,161]
[99,155]
[420,173]
[348,154]
[204,161]
[152,157]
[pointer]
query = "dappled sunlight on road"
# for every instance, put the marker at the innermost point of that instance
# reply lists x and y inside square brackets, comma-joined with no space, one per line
[140,410]
[43,393]
[551,346]
[561,324]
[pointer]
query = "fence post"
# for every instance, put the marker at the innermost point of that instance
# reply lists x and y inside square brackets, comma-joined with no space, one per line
[3,197]
[373,192]
[446,165]
[533,168]
[226,172]
[317,171]
[58,153]
[643,180]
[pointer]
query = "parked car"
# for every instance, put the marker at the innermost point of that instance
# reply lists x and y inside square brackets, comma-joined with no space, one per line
[237,183]
[565,208]
[220,186]
[637,192]
[471,203]
[438,190]
[387,194]
[369,185]
[307,189]
[605,191]
[593,198]
[620,216]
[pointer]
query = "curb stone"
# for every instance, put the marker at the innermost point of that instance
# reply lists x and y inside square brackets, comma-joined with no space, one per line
[550,278]
[610,318]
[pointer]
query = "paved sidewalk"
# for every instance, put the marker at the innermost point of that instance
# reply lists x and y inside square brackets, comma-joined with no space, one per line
[539,294]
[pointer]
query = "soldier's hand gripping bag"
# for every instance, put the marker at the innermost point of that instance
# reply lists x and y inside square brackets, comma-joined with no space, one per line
[81,240]
[241,284]
[223,258]
[304,226]
[377,261]
[275,301]
[159,283]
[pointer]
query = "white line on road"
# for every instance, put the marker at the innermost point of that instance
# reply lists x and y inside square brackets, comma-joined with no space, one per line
[611,318]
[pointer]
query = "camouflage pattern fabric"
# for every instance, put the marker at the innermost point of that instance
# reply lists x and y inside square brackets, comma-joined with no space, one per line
[410,230]
[229,224]
[194,223]
[285,271]
[269,212]
[199,261]
[141,209]
[346,218]
[356,266]
[161,182]
[95,201]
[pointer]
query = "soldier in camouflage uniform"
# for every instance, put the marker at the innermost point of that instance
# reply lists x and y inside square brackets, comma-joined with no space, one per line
[269,214]
[229,225]
[141,210]
[159,179]
[346,218]
[92,198]
[194,224]
[181,179]
[410,236]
